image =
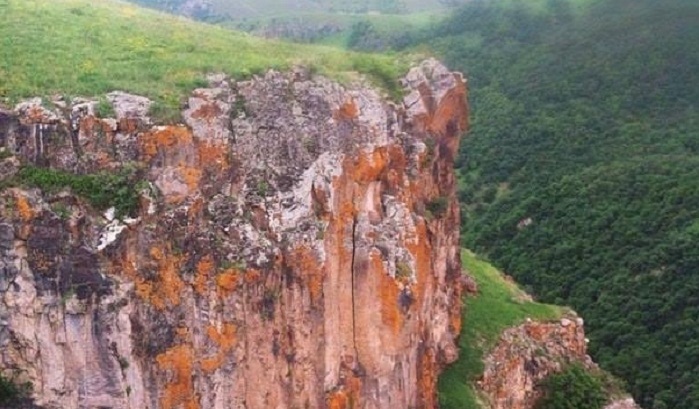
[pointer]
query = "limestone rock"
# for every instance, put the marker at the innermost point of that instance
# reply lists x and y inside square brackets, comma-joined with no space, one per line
[527,354]
[625,403]
[128,106]
[8,167]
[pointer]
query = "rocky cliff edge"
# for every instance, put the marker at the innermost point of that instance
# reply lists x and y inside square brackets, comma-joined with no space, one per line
[295,244]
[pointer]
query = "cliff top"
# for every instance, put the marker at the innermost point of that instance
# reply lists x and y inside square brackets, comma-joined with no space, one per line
[79,47]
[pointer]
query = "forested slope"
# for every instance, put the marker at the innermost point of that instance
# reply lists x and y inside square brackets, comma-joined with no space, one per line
[581,174]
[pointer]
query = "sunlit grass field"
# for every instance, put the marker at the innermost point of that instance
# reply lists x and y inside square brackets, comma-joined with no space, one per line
[88,48]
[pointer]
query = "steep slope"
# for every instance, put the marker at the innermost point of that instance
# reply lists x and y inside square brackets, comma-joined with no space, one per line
[511,346]
[579,177]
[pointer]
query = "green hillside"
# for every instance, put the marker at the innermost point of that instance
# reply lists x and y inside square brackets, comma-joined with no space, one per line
[499,304]
[247,10]
[328,22]
[581,174]
[80,47]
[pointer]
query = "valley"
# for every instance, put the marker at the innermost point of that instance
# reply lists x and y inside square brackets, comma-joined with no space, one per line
[248,202]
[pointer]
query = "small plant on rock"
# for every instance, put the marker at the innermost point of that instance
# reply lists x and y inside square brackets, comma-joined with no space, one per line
[437,207]
[403,271]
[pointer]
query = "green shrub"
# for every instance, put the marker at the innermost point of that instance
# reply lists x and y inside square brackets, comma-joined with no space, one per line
[262,188]
[574,388]
[5,153]
[403,270]
[104,108]
[11,393]
[102,190]
[437,207]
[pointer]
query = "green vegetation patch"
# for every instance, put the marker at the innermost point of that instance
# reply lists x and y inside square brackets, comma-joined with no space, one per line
[573,388]
[500,304]
[102,190]
[81,47]
[11,393]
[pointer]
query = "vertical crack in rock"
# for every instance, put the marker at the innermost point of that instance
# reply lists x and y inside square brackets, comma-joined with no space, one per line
[75,141]
[354,307]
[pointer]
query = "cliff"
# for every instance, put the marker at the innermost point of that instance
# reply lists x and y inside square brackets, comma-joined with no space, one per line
[511,346]
[527,354]
[294,244]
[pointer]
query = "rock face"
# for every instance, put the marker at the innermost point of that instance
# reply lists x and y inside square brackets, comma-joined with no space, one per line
[527,354]
[296,246]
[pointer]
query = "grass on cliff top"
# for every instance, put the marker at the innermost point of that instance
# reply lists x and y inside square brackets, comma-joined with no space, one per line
[499,304]
[88,48]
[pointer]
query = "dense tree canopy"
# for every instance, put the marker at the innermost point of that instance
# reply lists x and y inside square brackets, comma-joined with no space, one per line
[581,173]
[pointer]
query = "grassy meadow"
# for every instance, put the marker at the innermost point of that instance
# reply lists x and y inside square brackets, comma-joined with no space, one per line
[81,47]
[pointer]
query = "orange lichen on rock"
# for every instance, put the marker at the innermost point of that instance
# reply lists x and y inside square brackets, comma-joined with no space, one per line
[368,167]
[345,397]
[87,125]
[252,275]
[179,391]
[195,209]
[128,125]
[339,399]
[204,270]
[427,379]
[168,288]
[396,168]
[347,111]
[213,156]
[307,267]
[190,176]
[389,292]
[227,282]
[26,213]
[171,284]
[226,341]
[225,338]
[163,139]
[211,364]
